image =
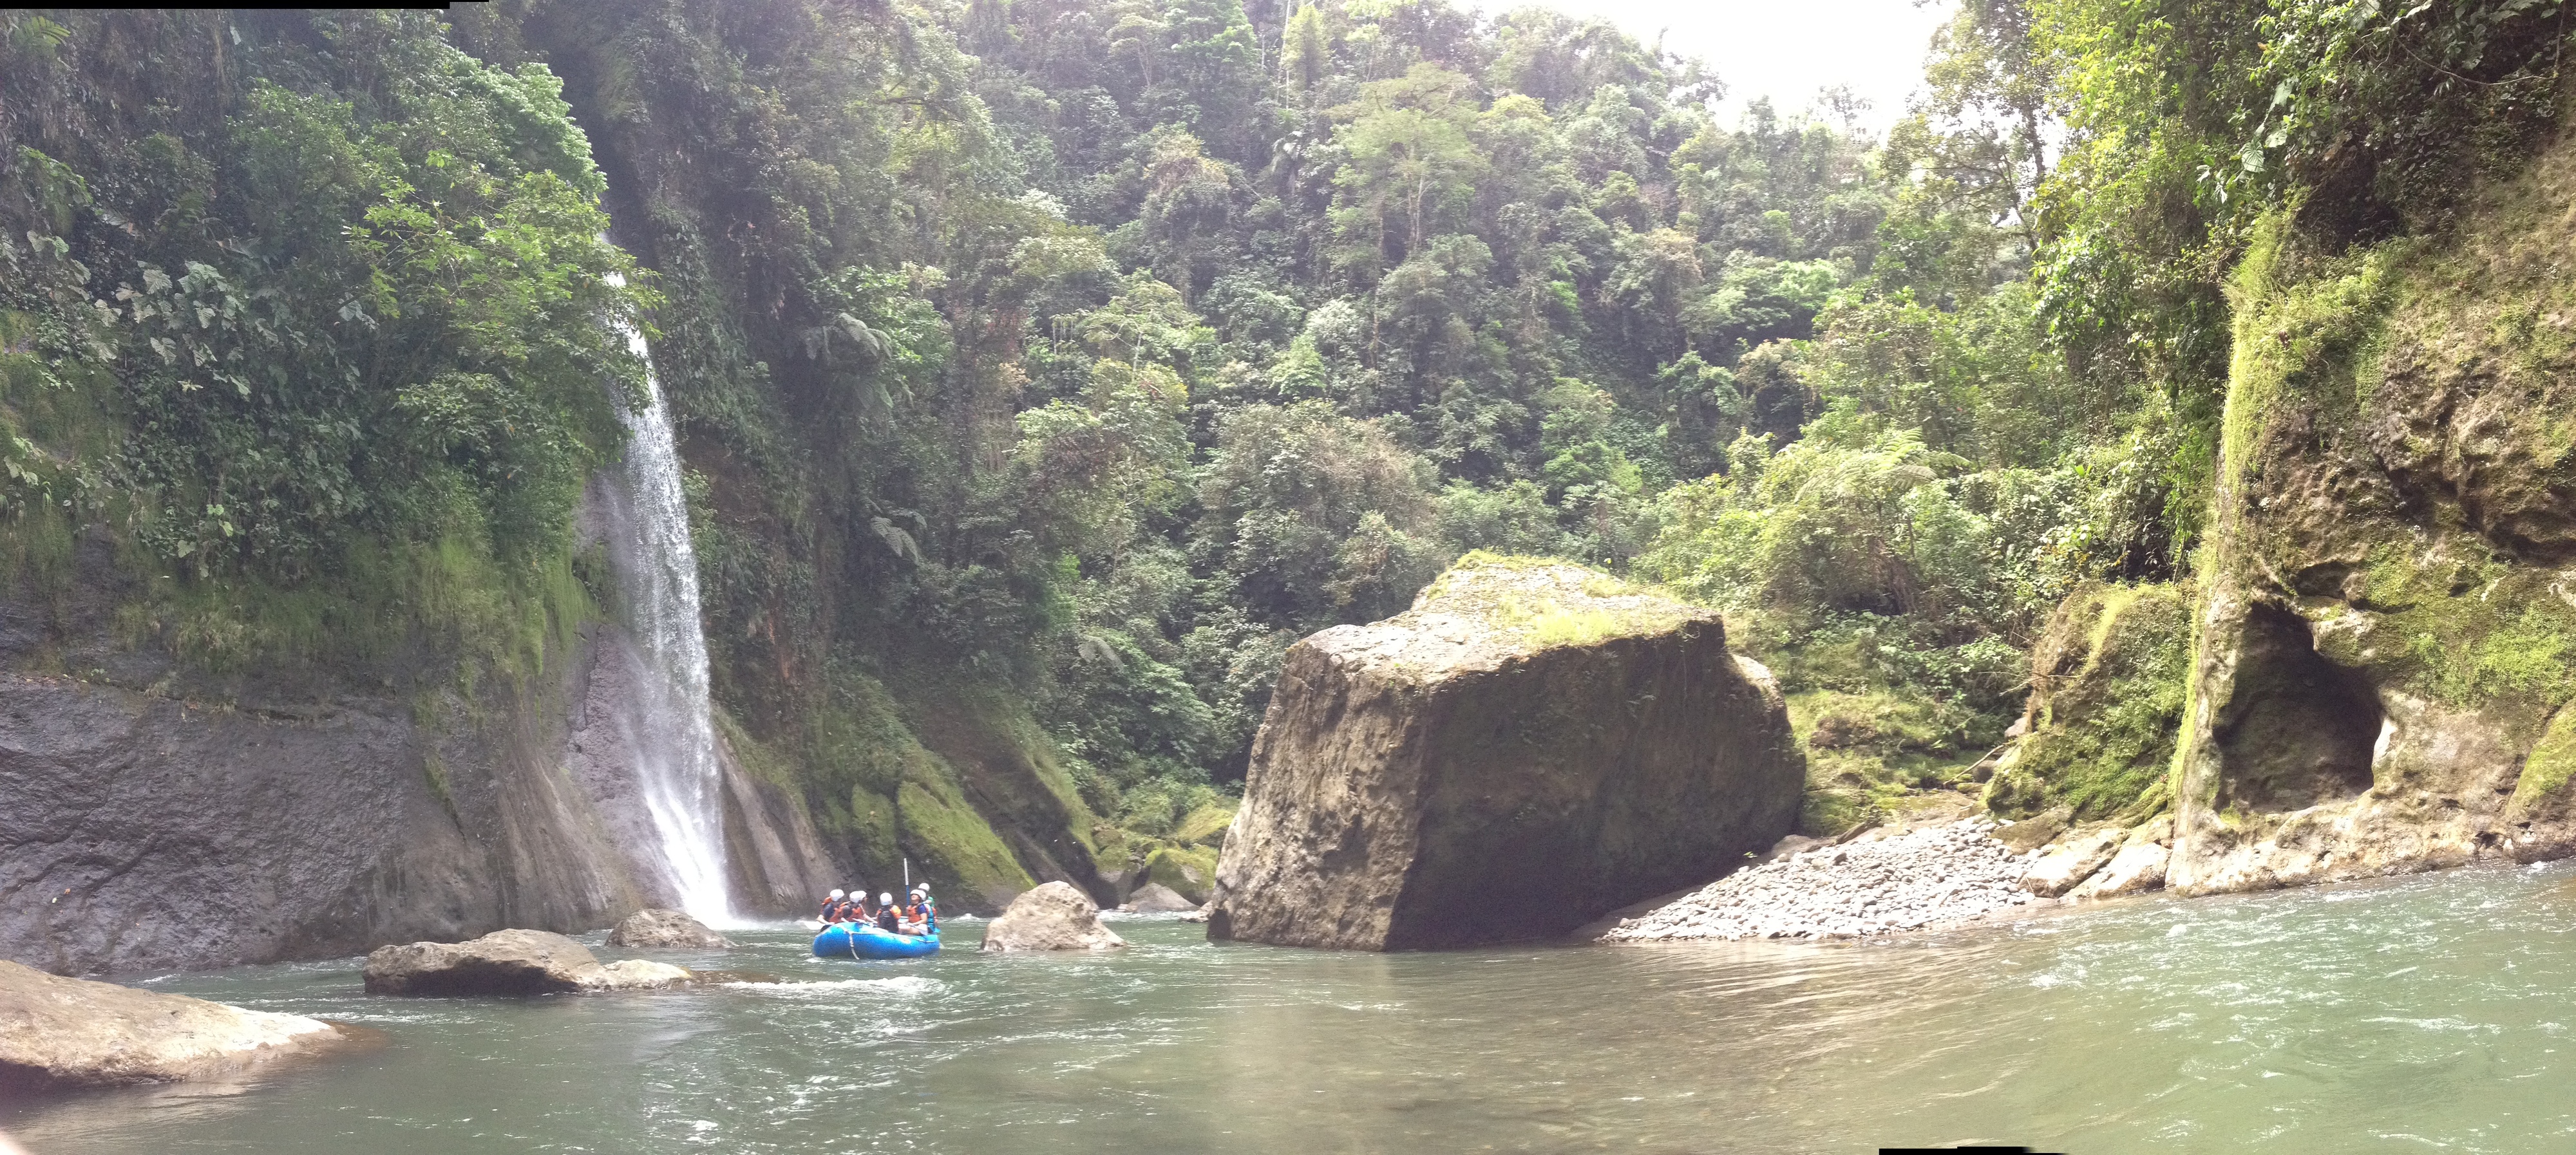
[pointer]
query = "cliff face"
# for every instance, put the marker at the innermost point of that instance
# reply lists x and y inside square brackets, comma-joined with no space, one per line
[1531,745]
[159,818]
[2383,657]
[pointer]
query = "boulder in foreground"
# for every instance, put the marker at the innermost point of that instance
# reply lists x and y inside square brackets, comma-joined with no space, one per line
[507,962]
[1055,916]
[657,927]
[1532,745]
[63,1034]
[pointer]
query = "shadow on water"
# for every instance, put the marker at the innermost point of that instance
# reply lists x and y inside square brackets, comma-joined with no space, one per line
[2392,1015]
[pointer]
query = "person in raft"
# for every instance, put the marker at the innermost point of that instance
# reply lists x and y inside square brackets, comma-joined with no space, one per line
[889,916]
[832,908]
[919,916]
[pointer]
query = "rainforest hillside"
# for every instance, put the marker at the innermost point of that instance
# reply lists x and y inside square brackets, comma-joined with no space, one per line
[1044,368]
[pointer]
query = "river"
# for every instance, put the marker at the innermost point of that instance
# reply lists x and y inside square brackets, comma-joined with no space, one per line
[2427,1013]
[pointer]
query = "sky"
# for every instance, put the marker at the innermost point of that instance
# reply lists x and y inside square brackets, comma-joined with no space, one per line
[1787,49]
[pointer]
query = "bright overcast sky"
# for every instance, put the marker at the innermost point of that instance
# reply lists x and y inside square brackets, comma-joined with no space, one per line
[1785,49]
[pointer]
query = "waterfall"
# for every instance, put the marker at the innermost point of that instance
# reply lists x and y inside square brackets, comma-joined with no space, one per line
[667,725]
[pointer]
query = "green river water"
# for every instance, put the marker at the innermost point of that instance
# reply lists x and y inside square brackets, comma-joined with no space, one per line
[2429,1013]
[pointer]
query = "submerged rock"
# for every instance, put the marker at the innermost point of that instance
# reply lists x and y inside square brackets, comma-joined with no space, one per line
[60,1033]
[1155,898]
[658,927]
[1531,745]
[640,974]
[508,962]
[1055,916]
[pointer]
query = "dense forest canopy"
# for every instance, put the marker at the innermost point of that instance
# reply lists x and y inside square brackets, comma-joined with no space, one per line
[1089,352]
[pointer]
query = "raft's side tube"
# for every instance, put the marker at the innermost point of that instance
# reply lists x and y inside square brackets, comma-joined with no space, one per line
[843,940]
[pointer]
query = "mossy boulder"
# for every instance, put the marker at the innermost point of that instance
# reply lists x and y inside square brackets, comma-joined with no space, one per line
[2106,696]
[1872,753]
[1204,826]
[2386,640]
[1187,870]
[1533,744]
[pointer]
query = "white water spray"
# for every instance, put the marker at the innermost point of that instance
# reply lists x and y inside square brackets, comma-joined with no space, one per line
[668,727]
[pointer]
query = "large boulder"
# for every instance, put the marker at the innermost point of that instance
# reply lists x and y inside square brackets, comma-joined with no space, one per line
[1056,916]
[507,962]
[658,927]
[1531,745]
[60,1034]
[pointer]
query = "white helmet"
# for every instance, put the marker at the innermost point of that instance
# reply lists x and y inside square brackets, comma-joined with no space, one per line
[922,889]
[882,897]
[837,894]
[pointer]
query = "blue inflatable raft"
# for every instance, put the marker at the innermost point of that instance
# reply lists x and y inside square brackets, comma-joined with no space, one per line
[858,940]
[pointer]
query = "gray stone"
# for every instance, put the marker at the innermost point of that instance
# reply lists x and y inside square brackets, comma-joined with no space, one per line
[660,927]
[1155,898]
[2072,861]
[1055,916]
[508,962]
[1532,745]
[62,1033]
[2036,831]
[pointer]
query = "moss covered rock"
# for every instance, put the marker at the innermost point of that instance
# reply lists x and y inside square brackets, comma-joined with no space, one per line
[2106,696]
[958,848]
[1532,744]
[2387,637]
[1189,871]
[1204,826]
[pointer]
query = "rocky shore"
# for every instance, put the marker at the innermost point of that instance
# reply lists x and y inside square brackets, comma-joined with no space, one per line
[1869,886]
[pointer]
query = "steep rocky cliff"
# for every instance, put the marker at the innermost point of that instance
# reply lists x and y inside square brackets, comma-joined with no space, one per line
[1532,744]
[2383,657]
[162,817]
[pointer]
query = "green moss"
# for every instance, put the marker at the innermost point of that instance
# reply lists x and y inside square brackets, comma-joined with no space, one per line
[2302,323]
[2109,679]
[954,846]
[2548,769]
[1204,826]
[1869,750]
[434,769]
[1190,870]
[1527,600]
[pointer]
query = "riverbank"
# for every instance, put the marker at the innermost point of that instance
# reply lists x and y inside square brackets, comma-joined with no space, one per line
[1906,880]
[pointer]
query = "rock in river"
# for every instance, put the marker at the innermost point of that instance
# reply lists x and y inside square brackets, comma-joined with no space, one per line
[1056,916]
[507,962]
[2072,861]
[59,1034]
[1156,898]
[1533,744]
[657,927]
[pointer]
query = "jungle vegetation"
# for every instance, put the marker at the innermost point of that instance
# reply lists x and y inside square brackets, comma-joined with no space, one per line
[1084,354]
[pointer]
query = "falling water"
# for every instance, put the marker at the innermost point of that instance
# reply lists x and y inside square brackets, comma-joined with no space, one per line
[667,725]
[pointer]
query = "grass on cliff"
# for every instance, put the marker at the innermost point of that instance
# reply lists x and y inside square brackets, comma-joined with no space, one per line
[1532,601]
